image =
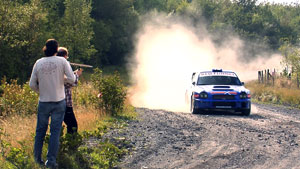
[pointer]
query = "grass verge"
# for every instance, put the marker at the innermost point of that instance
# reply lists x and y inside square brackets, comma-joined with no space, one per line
[76,151]
[274,94]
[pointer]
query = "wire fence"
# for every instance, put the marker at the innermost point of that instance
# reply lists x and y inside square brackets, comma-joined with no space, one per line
[277,78]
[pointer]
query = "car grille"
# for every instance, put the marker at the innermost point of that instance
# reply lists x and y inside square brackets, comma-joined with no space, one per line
[232,104]
[223,97]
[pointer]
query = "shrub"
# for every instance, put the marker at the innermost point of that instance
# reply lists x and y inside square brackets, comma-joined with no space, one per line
[112,93]
[84,95]
[12,157]
[17,99]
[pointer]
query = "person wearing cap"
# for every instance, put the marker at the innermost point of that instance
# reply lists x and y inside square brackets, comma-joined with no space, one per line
[47,79]
[70,119]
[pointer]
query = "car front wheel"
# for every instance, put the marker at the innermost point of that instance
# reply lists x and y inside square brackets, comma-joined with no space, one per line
[193,109]
[246,112]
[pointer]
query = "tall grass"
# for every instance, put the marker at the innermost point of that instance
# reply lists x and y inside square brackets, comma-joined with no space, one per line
[18,106]
[280,93]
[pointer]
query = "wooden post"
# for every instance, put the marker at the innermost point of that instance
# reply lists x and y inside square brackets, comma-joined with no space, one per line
[268,76]
[265,77]
[274,76]
[262,76]
[258,76]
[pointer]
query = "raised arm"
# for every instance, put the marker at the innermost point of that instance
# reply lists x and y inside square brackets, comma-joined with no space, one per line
[70,76]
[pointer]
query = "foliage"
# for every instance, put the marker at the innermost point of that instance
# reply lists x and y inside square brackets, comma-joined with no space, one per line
[105,155]
[84,95]
[112,93]
[76,30]
[15,157]
[291,56]
[22,33]
[17,99]
[74,152]
[103,32]
[118,19]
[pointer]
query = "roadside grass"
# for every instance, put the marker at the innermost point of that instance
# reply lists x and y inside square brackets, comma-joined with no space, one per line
[17,130]
[280,93]
[73,150]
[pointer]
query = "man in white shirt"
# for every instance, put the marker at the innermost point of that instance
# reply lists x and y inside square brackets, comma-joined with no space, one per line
[47,79]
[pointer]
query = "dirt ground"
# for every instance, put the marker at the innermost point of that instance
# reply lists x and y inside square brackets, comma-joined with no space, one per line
[268,138]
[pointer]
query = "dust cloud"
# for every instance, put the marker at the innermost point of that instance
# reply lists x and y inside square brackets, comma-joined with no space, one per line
[168,51]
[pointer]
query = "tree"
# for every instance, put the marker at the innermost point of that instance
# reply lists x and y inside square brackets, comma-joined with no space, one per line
[76,30]
[291,58]
[144,6]
[22,36]
[55,11]
[118,19]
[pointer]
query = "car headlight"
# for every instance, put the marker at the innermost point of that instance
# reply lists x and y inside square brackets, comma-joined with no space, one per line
[202,95]
[244,95]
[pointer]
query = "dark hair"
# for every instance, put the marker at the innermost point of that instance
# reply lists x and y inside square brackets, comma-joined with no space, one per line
[51,47]
[62,51]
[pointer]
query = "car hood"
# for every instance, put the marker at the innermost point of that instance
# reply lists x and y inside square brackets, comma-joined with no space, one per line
[215,88]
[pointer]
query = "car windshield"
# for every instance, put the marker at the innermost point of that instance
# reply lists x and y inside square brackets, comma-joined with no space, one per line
[218,80]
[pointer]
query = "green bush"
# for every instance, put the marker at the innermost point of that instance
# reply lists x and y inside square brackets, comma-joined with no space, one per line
[112,93]
[105,155]
[17,99]
[13,157]
[84,95]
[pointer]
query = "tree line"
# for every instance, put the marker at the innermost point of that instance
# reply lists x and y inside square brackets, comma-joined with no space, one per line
[101,32]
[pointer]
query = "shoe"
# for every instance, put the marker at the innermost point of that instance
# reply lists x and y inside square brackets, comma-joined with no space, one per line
[52,166]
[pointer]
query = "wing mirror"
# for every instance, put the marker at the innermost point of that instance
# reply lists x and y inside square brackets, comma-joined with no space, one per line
[243,83]
[194,83]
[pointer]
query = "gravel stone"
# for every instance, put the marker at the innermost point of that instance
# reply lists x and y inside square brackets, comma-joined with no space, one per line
[268,138]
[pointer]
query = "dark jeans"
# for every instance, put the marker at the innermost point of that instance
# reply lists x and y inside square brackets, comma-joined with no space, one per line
[70,120]
[55,111]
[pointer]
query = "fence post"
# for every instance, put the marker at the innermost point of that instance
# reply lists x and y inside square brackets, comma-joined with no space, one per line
[266,80]
[273,77]
[268,76]
[262,76]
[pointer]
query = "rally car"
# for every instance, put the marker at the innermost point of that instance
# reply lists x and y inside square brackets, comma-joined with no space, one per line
[218,90]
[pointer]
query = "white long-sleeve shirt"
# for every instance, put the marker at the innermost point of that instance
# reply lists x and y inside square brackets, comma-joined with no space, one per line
[48,77]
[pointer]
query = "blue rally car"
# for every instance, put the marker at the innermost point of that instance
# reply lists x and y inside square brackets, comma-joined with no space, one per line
[218,90]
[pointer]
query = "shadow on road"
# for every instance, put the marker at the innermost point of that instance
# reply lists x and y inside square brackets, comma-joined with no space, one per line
[230,114]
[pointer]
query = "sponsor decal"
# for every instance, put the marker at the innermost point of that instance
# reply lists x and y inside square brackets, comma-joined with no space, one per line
[227,92]
[231,74]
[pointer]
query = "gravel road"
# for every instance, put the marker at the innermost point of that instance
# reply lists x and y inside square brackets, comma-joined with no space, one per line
[268,138]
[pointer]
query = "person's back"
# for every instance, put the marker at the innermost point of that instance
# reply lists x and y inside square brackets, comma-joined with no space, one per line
[47,79]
